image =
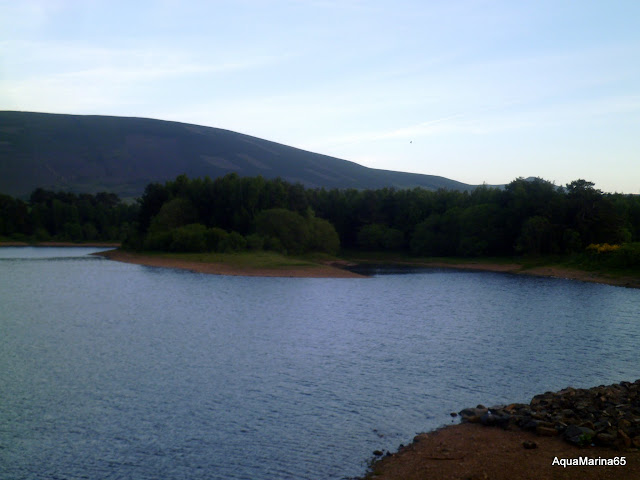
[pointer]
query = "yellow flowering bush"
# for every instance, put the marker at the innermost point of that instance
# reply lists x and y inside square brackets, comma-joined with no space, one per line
[602,248]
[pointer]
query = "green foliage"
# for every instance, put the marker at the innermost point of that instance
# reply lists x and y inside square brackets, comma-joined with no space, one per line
[623,256]
[157,241]
[215,239]
[65,216]
[255,242]
[189,238]
[173,214]
[536,236]
[290,228]
[235,243]
[438,235]
[322,236]
[377,236]
[628,255]
[529,217]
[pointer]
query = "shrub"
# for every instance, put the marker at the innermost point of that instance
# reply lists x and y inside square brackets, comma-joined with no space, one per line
[235,242]
[289,227]
[323,236]
[255,242]
[156,241]
[377,236]
[215,239]
[628,255]
[190,238]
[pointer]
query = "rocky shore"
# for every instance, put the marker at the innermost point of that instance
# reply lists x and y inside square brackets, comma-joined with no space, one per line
[605,415]
[600,425]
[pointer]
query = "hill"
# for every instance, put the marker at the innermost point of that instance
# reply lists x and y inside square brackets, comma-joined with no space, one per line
[122,155]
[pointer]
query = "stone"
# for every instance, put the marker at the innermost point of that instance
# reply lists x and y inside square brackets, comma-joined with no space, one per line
[529,445]
[605,439]
[546,431]
[579,435]
[608,415]
[488,420]
[625,438]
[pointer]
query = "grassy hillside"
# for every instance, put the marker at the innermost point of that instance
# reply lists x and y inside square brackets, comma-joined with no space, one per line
[122,155]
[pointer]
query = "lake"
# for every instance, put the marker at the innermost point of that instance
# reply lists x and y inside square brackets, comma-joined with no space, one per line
[116,371]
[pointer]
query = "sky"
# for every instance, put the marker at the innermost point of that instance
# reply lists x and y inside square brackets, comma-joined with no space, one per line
[475,91]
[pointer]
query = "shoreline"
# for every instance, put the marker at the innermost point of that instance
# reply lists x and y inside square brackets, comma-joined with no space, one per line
[473,451]
[526,441]
[339,268]
[550,271]
[307,271]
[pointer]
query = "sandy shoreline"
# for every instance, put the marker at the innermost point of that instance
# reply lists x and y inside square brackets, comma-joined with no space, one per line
[337,269]
[316,271]
[472,451]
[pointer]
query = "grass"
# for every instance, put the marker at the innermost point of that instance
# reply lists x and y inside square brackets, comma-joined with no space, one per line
[268,260]
[244,260]
[581,262]
[403,258]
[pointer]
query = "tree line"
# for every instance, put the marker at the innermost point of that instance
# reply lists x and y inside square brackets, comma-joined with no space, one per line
[526,217]
[65,216]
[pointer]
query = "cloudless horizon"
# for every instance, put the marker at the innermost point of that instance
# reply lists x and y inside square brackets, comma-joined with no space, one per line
[472,90]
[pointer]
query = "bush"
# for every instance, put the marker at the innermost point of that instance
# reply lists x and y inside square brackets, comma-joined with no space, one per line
[290,228]
[628,255]
[255,242]
[215,239]
[274,244]
[235,242]
[323,237]
[190,238]
[377,236]
[155,241]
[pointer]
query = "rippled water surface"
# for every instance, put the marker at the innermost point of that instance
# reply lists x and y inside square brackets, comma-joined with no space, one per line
[110,370]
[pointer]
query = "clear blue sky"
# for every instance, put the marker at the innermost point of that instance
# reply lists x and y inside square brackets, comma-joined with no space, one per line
[476,91]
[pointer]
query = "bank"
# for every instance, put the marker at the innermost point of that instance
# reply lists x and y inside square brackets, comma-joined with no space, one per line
[574,433]
[273,264]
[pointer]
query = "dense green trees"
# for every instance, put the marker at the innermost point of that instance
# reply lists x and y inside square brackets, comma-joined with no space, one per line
[230,214]
[64,216]
[529,217]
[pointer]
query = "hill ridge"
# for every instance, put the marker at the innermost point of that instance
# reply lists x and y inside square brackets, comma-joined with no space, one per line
[90,153]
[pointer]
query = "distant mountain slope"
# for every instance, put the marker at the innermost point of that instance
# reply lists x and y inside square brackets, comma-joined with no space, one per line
[122,155]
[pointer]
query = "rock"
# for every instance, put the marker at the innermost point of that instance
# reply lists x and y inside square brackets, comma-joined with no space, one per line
[579,435]
[453,414]
[605,439]
[378,453]
[608,415]
[624,437]
[529,445]
[472,415]
[546,431]
[488,420]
